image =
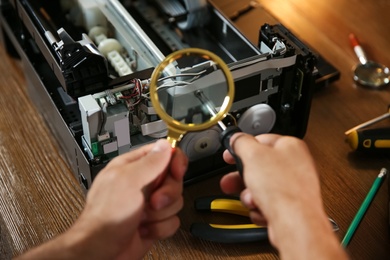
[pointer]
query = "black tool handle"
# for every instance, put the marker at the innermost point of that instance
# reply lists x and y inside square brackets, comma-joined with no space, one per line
[370,139]
[225,141]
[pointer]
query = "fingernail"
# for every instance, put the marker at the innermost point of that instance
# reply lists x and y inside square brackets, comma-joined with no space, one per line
[160,146]
[163,202]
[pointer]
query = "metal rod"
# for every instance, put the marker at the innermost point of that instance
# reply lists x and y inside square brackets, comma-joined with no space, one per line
[205,101]
[368,123]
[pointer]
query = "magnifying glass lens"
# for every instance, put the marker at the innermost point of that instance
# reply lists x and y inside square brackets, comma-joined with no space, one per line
[192,95]
[372,74]
[191,90]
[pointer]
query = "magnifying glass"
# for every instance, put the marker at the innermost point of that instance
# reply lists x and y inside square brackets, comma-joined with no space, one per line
[191,90]
[368,73]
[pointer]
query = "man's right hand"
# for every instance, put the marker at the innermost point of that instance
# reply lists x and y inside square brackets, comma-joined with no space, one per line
[281,187]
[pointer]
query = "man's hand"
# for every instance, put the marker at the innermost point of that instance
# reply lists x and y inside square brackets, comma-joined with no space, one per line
[132,203]
[282,190]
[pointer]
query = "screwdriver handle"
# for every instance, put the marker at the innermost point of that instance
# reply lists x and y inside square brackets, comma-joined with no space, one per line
[225,141]
[369,139]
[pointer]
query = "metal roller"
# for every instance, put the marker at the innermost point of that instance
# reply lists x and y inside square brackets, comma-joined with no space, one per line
[200,144]
[258,119]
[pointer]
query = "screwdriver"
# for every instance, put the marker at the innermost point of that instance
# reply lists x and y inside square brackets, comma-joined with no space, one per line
[369,139]
[227,131]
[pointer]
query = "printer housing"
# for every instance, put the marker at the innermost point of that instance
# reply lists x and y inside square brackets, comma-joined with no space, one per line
[88,64]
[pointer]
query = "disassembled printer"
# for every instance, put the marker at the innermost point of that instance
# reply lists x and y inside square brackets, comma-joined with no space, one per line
[88,65]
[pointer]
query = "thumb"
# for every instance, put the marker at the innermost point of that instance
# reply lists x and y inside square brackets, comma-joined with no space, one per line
[244,145]
[149,167]
[251,152]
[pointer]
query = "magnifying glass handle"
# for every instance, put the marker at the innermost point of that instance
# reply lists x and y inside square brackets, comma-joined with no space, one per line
[225,141]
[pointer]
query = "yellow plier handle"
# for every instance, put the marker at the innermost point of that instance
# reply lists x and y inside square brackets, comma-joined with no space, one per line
[241,233]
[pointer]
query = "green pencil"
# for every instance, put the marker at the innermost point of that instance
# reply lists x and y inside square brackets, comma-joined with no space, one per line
[363,208]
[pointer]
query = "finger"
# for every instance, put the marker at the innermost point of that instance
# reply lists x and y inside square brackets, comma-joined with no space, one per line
[177,169]
[265,139]
[147,168]
[257,218]
[248,149]
[268,139]
[130,156]
[247,199]
[227,157]
[232,183]
[160,230]
[167,193]
[178,165]
[171,209]
[169,186]
[255,213]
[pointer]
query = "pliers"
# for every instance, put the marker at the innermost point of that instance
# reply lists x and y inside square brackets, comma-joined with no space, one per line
[239,233]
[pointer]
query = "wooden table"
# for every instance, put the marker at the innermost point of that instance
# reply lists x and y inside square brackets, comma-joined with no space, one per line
[40,198]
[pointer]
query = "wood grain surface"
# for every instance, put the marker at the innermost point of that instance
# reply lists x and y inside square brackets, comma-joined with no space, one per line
[40,198]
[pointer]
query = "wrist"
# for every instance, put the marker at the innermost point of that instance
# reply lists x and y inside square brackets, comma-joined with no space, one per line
[305,234]
[85,240]
[64,246]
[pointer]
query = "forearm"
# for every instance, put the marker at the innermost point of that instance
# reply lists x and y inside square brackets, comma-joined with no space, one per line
[58,248]
[306,234]
[78,242]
